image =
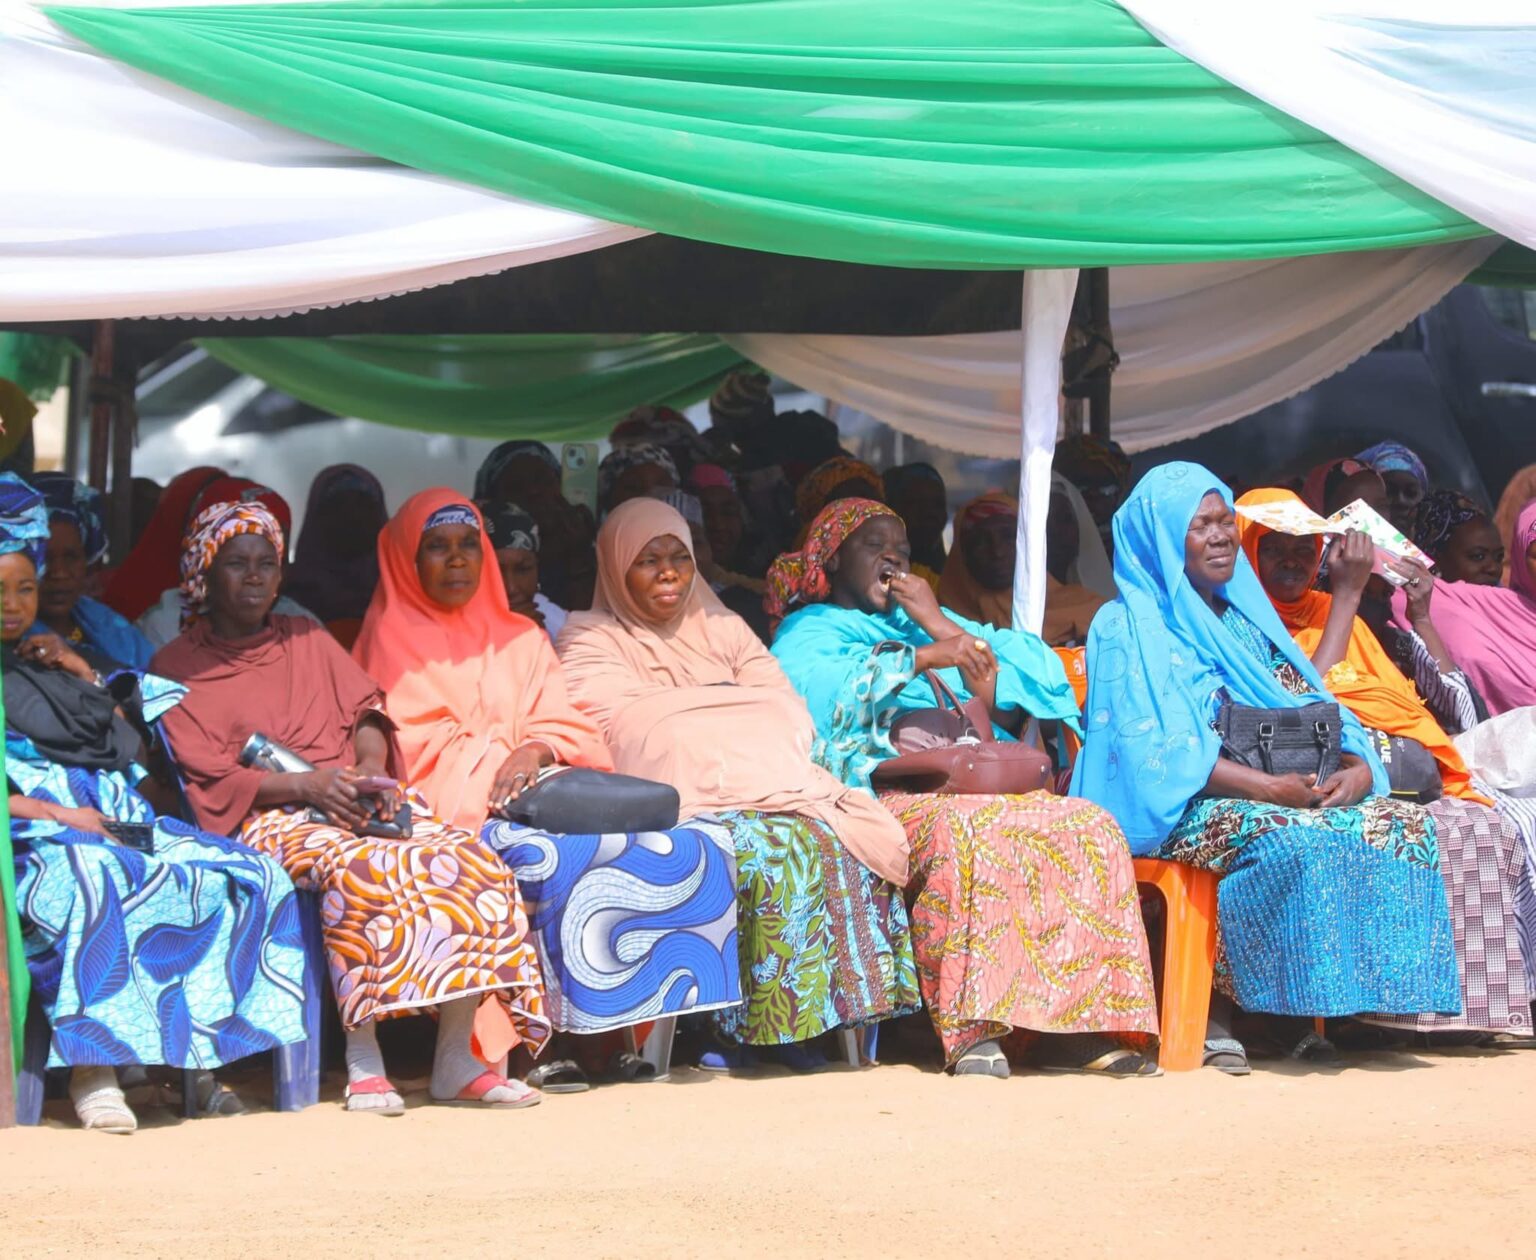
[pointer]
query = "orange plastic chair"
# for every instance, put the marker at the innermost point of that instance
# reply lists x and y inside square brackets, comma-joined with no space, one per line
[1189,957]
[1075,662]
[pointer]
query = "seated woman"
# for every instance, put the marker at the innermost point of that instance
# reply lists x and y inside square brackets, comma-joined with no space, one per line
[1482,858]
[978,577]
[1331,899]
[432,922]
[154,563]
[515,536]
[629,928]
[1405,478]
[675,682]
[337,567]
[77,542]
[1024,907]
[147,941]
[529,473]
[628,472]
[1518,494]
[1462,539]
[1489,632]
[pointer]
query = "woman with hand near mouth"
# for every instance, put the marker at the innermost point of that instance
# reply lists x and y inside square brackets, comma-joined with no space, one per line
[1481,854]
[1024,907]
[1331,897]
[480,707]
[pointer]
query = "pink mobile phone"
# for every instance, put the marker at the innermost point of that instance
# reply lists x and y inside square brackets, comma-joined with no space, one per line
[375,784]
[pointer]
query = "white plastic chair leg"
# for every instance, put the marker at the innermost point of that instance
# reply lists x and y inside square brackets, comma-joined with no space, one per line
[658,1047]
[849,1037]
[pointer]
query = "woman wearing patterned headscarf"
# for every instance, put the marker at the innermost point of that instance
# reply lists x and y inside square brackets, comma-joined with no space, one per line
[102,883]
[529,473]
[514,535]
[1100,470]
[430,921]
[77,543]
[629,472]
[1406,478]
[1055,944]
[1461,538]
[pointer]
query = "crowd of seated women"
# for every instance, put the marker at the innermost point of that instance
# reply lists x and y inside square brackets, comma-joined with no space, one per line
[743,621]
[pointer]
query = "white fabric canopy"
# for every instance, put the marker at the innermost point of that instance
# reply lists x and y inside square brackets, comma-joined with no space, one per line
[1440,93]
[122,195]
[1200,346]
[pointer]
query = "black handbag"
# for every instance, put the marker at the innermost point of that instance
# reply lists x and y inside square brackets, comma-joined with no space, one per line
[1412,771]
[574,801]
[1301,741]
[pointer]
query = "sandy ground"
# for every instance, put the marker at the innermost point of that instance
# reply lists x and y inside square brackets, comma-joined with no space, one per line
[1434,1154]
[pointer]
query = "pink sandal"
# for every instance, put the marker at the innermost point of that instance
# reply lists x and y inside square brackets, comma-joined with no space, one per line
[473,1094]
[373,1085]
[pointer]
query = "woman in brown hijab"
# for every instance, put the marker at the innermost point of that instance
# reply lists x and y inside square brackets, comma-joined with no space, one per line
[684,692]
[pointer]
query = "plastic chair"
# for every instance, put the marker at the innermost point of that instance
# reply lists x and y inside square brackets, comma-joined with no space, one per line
[1189,957]
[653,1043]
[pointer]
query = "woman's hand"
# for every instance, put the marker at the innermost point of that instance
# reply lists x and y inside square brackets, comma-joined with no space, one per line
[1419,589]
[1348,785]
[518,772]
[386,803]
[916,598]
[1350,563]
[81,818]
[334,793]
[51,652]
[1293,791]
[965,652]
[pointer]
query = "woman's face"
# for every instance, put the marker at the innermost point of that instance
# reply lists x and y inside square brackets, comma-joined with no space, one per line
[1530,563]
[64,572]
[1210,545]
[448,562]
[722,520]
[660,577]
[990,548]
[242,585]
[1361,485]
[640,481]
[18,596]
[865,563]
[1404,494]
[1287,566]
[520,574]
[1473,553]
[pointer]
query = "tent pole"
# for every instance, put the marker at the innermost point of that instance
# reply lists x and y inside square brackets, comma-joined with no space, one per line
[103,393]
[1047,312]
[125,433]
[1098,320]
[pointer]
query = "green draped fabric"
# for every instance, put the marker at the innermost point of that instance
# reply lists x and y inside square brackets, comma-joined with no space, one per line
[36,363]
[1512,266]
[558,388]
[956,133]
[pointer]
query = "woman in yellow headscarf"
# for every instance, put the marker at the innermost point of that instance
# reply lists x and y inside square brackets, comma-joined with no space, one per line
[1481,854]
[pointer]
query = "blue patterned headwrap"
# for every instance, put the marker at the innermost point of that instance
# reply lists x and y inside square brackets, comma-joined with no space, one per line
[23,520]
[80,505]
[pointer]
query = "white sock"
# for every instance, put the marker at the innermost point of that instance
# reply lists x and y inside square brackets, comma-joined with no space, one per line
[364,1058]
[454,1065]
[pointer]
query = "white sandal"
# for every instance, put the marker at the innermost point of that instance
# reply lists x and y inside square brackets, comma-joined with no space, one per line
[99,1101]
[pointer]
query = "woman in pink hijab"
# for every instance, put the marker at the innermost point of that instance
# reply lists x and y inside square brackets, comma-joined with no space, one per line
[684,693]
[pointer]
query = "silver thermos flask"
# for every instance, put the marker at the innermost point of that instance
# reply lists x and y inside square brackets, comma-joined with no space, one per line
[261,753]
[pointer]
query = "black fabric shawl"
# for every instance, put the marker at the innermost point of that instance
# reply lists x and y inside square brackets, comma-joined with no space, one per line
[71,722]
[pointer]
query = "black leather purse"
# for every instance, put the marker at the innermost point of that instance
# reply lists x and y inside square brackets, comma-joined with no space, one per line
[575,801]
[1412,771]
[1282,741]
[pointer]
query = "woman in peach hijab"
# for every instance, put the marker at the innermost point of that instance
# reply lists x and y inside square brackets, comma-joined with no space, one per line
[1481,852]
[481,709]
[685,693]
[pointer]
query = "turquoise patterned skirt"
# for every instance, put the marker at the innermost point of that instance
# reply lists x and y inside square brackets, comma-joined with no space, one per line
[824,944]
[1325,912]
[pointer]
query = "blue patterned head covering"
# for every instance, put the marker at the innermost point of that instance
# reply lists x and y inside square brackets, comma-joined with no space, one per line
[1387,457]
[80,505]
[23,520]
[1157,657]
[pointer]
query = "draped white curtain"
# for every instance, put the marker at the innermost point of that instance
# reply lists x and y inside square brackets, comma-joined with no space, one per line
[1442,93]
[1200,346]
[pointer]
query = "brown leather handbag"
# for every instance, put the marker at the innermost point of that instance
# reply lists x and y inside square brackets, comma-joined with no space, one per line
[951,751]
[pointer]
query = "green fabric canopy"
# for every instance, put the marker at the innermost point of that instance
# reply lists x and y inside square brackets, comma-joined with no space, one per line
[963,134]
[557,388]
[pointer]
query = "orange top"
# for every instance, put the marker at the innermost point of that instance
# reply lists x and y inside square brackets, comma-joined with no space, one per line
[464,686]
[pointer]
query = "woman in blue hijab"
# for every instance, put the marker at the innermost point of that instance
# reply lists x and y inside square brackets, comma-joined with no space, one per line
[146,941]
[77,543]
[1331,901]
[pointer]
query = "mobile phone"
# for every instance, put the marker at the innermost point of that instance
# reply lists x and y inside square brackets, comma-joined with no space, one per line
[375,785]
[578,474]
[140,836]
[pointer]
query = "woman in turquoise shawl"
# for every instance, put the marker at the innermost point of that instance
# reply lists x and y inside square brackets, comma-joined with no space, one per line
[1331,901]
[1024,907]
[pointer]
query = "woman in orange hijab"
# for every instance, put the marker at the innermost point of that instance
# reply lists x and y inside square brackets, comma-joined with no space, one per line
[480,706]
[1481,854]
[685,693]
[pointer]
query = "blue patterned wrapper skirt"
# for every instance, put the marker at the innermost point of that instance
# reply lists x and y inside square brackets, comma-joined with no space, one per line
[1325,912]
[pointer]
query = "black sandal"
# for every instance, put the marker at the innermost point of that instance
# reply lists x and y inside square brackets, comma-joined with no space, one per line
[559,1076]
